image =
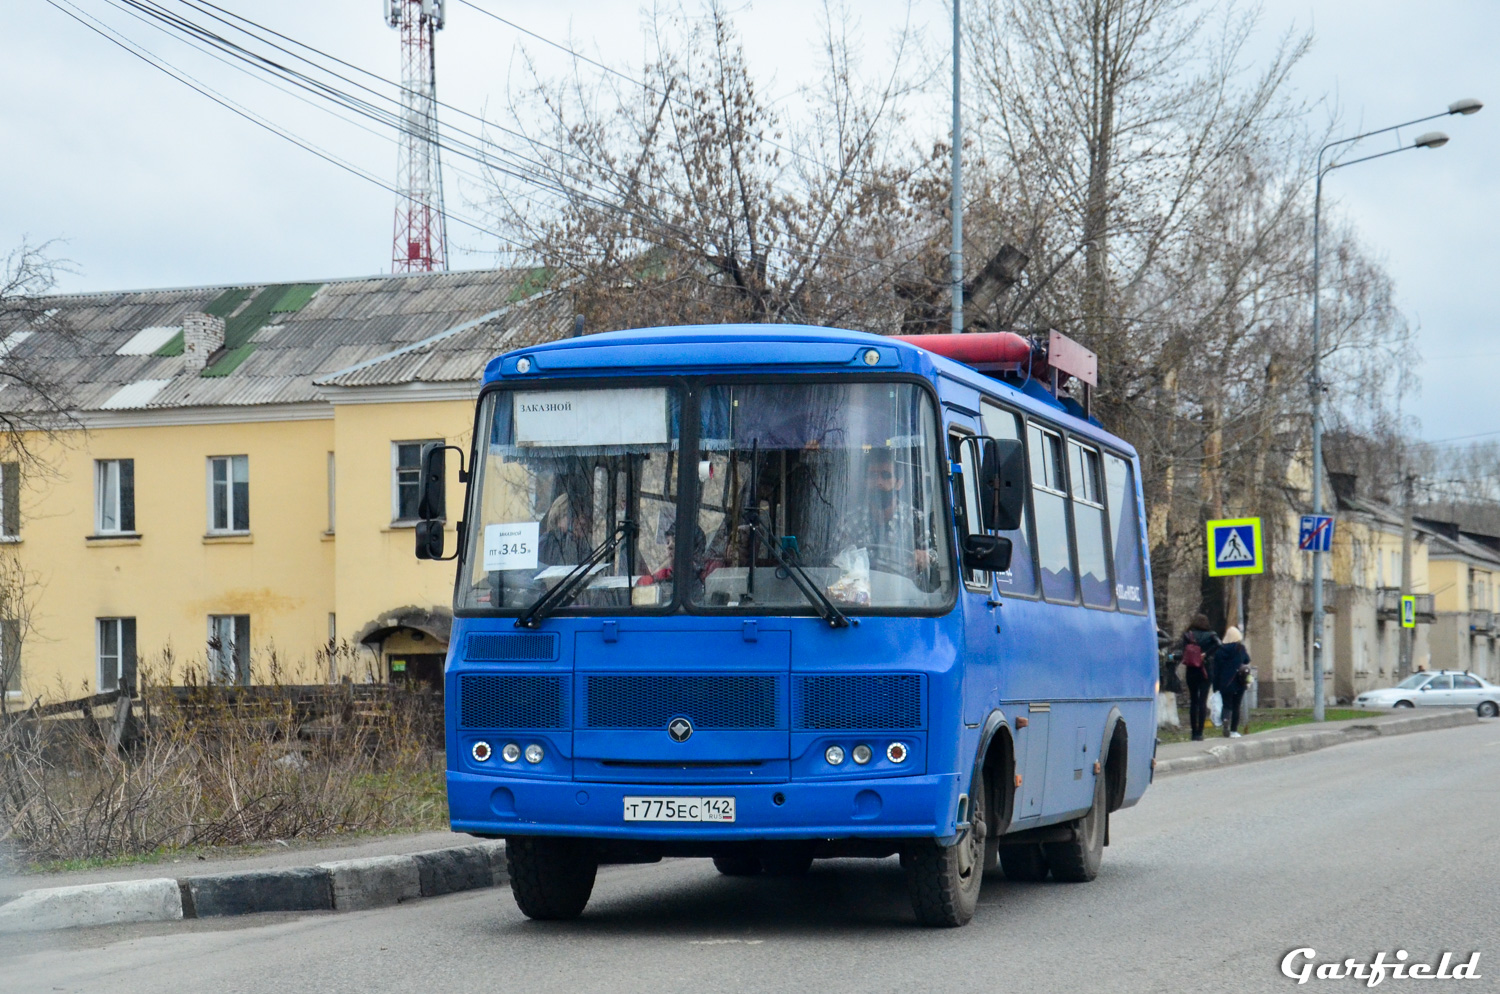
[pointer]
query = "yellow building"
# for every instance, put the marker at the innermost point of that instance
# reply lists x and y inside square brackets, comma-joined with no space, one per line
[235,487]
[1466,586]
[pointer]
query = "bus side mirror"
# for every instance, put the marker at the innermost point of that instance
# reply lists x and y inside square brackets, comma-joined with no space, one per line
[432,488]
[430,539]
[987,553]
[1002,483]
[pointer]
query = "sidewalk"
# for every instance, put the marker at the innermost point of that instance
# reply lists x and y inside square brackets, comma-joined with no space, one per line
[233,861]
[1215,750]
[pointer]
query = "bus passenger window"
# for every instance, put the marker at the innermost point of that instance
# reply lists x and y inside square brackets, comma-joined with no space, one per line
[1021,578]
[1124,528]
[1088,522]
[1049,501]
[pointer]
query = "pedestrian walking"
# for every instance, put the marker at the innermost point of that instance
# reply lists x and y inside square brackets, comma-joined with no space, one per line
[1200,644]
[1231,676]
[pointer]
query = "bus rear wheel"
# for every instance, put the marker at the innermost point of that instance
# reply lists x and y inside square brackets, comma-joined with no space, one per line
[1078,861]
[944,881]
[551,878]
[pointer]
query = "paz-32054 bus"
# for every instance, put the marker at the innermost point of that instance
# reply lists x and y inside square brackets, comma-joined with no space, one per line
[768,594]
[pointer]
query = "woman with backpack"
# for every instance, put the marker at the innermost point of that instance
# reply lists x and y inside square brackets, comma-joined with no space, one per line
[1199,645]
[1231,676]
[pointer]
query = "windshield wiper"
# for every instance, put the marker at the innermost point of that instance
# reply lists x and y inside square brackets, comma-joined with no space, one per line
[559,595]
[800,579]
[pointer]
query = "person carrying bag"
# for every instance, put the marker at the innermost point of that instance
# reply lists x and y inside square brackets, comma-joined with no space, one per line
[1231,677]
[1199,646]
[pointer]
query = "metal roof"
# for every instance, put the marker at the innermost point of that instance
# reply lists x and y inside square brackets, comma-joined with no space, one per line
[282,339]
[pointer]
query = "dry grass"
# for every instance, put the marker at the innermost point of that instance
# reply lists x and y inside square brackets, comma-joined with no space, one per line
[214,766]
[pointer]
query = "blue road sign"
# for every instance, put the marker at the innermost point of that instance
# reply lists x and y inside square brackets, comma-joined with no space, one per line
[1234,547]
[1316,533]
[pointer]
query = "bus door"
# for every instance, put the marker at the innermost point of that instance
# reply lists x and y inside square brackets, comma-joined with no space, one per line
[978,603]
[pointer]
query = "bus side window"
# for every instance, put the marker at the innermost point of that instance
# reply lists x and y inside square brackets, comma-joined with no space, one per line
[1049,502]
[1124,528]
[1021,578]
[966,513]
[1088,524]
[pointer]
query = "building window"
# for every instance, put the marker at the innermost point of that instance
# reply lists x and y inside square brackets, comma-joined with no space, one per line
[10,500]
[229,494]
[229,648]
[332,504]
[115,638]
[114,496]
[406,474]
[10,657]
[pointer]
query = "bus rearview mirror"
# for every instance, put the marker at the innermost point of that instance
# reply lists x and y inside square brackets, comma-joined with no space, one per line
[987,553]
[1002,483]
[429,539]
[432,488]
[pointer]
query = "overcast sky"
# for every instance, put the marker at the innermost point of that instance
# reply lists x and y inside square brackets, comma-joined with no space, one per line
[148,184]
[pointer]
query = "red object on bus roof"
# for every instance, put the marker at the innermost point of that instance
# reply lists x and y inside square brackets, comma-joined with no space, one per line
[982,350]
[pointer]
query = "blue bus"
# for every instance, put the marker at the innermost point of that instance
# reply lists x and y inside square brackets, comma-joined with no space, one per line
[768,594]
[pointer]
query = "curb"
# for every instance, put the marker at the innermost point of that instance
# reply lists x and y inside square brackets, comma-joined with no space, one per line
[342,885]
[1237,751]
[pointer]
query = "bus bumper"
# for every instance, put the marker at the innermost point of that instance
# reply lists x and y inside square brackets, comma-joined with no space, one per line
[909,807]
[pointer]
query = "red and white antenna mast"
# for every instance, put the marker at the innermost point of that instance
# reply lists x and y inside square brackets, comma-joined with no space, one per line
[421,241]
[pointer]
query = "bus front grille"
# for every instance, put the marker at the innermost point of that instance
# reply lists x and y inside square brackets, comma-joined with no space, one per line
[873,702]
[716,701]
[512,700]
[513,647]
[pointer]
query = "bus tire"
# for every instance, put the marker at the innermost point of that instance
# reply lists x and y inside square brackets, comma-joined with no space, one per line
[1025,863]
[551,878]
[737,864]
[944,881]
[1078,861]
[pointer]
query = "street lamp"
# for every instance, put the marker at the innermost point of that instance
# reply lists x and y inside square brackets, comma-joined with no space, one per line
[1431,139]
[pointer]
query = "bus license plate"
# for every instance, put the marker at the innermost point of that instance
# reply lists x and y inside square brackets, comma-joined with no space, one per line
[719,809]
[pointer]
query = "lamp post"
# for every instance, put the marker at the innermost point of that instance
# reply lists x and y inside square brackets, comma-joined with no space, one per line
[1431,139]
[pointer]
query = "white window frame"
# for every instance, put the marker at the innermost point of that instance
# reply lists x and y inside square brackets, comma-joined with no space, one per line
[229,506]
[218,671]
[117,669]
[107,472]
[396,470]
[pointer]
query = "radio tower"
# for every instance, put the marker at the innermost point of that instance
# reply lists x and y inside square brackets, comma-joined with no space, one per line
[421,240]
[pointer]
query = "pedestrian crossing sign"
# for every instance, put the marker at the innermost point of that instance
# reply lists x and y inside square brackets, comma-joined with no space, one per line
[1234,547]
[1408,611]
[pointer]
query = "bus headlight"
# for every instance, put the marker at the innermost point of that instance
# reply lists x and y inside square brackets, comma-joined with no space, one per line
[834,755]
[511,752]
[533,753]
[896,752]
[861,754]
[481,752]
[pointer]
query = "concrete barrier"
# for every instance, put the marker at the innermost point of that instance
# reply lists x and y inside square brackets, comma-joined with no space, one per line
[115,903]
[374,882]
[448,871]
[1247,750]
[296,888]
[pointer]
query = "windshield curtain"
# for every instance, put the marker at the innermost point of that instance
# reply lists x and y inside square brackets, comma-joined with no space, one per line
[559,473]
[843,478]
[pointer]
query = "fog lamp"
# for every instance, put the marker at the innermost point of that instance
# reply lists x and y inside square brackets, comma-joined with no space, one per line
[861,754]
[533,753]
[834,755]
[511,752]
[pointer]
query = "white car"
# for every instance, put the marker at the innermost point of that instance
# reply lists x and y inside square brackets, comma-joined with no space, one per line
[1444,688]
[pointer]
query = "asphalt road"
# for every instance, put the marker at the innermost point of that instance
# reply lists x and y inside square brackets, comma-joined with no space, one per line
[1376,846]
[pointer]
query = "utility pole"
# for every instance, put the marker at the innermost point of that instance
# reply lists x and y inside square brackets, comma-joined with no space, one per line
[1403,666]
[956,254]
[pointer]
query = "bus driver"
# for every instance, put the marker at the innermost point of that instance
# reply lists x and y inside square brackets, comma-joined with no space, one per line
[898,537]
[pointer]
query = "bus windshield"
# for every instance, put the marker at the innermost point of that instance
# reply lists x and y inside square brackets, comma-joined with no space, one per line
[841,477]
[808,495]
[565,473]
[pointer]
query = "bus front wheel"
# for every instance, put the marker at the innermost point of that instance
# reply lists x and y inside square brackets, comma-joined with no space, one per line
[944,880]
[1078,861]
[551,879]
